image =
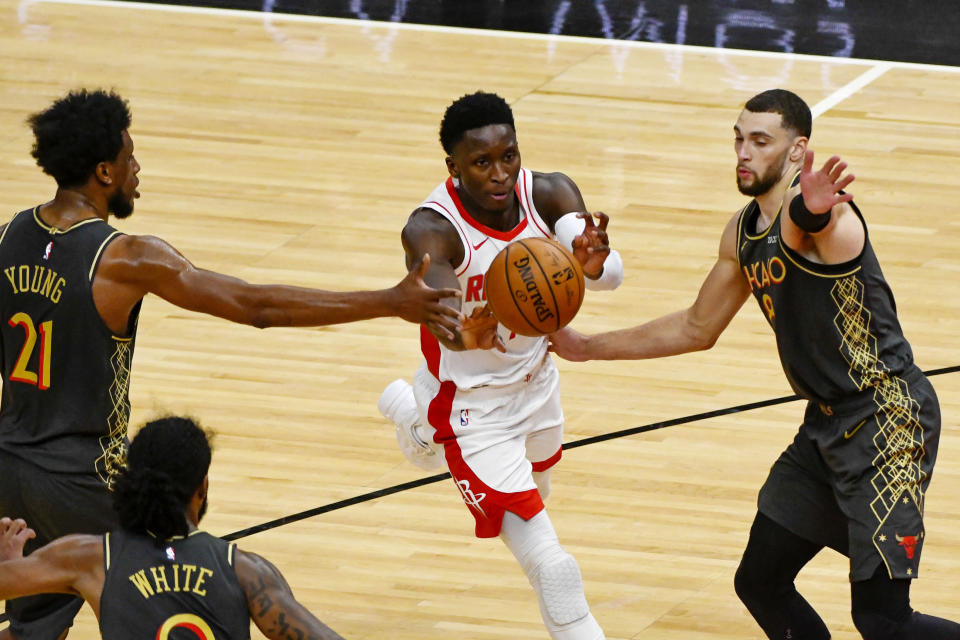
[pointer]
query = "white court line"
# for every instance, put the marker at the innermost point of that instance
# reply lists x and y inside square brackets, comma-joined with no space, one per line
[850,88]
[290,17]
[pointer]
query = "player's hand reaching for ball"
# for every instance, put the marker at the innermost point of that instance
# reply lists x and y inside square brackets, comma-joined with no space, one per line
[421,304]
[592,247]
[569,345]
[13,535]
[479,330]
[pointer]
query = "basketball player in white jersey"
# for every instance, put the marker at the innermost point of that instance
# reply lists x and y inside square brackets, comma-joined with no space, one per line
[488,397]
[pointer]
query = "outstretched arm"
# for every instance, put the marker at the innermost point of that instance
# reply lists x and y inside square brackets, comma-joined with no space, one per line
[692,329]
[271,603]
[71,564]
[429,232]
[559,201]
[133,266]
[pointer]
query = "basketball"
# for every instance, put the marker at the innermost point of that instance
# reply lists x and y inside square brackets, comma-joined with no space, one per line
[534,286]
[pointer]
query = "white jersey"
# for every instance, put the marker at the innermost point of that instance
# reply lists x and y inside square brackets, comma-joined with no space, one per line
[481,244]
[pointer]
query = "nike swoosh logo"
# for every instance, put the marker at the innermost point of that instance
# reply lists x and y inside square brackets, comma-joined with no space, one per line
[477,246]
[849,434]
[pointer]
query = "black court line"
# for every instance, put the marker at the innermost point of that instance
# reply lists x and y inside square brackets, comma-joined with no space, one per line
[380,493]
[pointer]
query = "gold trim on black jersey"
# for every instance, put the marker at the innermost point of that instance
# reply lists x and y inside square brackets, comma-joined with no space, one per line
[54,230]
[96,256]
[787,252]
[763,235]
[6,227]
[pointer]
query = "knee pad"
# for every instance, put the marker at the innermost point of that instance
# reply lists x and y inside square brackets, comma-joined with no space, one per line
[873,625]
[561,589]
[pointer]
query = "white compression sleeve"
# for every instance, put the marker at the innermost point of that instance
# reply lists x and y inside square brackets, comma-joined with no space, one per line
[569,227]
[554,575]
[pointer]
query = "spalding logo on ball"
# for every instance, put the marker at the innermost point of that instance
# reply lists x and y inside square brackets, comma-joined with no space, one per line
[534,286]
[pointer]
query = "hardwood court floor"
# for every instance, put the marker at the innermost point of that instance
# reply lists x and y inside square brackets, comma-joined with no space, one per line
[291,150]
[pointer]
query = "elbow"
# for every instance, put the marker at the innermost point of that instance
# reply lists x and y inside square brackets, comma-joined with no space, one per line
[699,337]
[262,317]
[260,321]
[706,342]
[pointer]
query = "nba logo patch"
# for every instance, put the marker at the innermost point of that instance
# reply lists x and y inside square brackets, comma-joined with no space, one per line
[171,556]
[46,252]
[464,417]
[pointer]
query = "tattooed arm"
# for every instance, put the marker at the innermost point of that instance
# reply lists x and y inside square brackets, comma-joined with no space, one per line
[272,605]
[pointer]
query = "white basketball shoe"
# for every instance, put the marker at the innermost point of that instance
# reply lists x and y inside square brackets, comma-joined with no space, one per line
[398,405]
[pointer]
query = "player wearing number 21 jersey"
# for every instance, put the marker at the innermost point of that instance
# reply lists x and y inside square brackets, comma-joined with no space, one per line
[70,297]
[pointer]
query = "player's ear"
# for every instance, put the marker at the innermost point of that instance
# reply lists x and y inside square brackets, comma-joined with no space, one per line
[452,167]
[798,149]
[103,173]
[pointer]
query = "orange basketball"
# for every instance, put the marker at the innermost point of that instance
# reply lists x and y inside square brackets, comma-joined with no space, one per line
[534,286]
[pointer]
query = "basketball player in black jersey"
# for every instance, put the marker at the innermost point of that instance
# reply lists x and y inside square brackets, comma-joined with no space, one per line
[855,475]
[156,571]
[70,296]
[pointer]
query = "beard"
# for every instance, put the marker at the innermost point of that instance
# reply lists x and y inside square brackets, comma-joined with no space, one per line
[203,505]
[119,205]
[765,182]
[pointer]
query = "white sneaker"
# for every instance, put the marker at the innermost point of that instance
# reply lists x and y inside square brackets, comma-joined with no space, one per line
[398,405]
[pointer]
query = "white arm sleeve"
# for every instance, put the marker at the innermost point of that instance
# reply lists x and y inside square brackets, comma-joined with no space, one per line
[569,227]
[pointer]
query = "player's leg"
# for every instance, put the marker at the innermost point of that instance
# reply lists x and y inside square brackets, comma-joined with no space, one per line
[554,575]
[798,516]
[881,611]
[544,449]
[886,516]
[552,572]
[53,505]
[414,435]
[764,582]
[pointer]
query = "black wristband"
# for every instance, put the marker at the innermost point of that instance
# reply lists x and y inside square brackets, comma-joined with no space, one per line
[803,218]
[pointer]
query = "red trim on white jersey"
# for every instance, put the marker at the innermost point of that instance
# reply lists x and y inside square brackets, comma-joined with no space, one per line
[528,198]
[463,236]
[430,347]
[493,233]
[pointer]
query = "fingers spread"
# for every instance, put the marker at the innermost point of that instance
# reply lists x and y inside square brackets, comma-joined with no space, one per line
[604,220]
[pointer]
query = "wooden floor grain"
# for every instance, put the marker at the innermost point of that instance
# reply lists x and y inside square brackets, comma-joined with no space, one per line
[291,150]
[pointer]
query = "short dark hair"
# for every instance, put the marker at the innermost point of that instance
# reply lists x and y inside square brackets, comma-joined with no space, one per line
[473,111]
[794,111]
[166,464]
[78,132]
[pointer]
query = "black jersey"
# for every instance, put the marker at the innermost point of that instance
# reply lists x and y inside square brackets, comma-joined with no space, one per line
[65,375]
[183,589]
[836,325]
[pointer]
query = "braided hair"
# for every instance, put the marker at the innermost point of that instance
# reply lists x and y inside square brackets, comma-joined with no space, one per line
[166,464]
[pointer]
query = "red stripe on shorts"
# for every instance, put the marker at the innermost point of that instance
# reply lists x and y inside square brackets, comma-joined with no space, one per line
[543,465]
[486,504]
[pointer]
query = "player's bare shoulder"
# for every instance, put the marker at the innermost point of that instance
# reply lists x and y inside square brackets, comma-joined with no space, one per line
[729,237]
[427,231]
[555,195]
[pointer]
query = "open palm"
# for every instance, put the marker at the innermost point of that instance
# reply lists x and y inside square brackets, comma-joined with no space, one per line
[821,189]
